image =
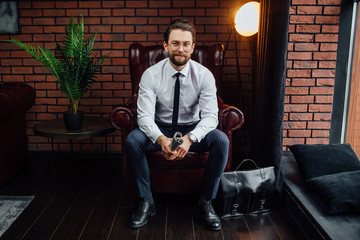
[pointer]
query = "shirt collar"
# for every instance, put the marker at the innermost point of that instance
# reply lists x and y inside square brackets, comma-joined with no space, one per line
[173,71]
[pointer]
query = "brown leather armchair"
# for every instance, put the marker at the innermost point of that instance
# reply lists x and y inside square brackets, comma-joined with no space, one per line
[15,100]
[173,176]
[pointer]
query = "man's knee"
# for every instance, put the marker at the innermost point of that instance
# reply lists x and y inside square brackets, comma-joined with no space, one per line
[220,138]
[129,140]
[134,139]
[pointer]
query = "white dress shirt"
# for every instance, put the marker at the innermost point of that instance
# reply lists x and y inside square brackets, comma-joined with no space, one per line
[197,95]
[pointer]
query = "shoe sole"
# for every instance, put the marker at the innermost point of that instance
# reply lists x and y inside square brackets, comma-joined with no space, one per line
[144,223]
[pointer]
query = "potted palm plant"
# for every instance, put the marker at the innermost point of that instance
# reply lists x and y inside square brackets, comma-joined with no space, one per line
[74,66]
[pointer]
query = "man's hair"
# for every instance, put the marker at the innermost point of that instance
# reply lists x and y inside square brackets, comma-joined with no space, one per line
[181,24]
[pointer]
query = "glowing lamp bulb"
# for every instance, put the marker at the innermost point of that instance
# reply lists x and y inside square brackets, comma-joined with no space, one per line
[247,19]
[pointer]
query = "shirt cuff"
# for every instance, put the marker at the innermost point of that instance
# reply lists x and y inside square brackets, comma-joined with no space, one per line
[154,135]
[198,133]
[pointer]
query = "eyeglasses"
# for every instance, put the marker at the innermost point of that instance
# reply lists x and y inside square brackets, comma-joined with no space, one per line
[187,46]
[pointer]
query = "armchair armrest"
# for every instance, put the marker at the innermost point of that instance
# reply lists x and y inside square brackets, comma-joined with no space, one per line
[122,117]
[230,118]
[15,98]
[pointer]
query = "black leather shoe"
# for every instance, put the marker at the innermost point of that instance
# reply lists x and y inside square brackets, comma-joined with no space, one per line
[206,213]
[142,214]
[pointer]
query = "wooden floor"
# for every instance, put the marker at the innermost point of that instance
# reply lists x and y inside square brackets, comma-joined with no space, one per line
[99,209]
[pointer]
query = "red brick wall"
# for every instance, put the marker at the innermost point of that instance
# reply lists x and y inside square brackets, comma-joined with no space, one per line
[313,36]
[311,59]
[118,24]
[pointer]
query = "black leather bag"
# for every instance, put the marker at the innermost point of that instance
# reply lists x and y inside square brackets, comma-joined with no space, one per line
[247,191]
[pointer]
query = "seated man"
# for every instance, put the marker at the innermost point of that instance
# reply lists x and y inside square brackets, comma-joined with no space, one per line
[177,95]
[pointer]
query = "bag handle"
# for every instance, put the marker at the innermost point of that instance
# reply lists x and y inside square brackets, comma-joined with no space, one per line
[247,160]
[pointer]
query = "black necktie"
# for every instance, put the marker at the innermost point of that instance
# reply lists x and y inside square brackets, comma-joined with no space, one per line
[176,102]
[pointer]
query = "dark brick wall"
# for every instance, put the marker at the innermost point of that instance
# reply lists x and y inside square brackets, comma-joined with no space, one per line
[311,59]
[313,37]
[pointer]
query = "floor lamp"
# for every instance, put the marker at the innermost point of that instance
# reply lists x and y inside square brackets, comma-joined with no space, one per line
[246,23]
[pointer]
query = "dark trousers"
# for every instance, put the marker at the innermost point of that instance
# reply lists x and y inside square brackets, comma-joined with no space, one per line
[215,142]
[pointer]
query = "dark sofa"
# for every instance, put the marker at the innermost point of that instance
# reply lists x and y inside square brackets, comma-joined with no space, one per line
[15,100]
[308,214]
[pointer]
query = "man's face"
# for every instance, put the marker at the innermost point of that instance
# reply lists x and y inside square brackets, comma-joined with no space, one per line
[179,47]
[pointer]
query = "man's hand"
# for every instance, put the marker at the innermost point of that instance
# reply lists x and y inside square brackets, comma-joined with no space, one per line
[184,147]
[165,142]
[178,154]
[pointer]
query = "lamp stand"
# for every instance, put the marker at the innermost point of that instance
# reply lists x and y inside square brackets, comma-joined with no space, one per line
[245,125]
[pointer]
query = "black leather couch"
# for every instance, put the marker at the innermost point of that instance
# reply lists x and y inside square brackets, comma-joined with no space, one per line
[310,217]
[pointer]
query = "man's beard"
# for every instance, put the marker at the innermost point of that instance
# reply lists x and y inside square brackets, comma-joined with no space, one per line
[176,62]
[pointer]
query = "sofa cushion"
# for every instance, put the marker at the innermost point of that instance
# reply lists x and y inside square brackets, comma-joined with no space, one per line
[324,159]
[312,219]
[339,192]
[193,160]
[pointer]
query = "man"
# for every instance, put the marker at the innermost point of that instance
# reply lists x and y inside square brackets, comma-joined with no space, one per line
[160,115]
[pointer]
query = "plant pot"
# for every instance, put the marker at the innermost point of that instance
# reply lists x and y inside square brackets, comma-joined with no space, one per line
[73,121]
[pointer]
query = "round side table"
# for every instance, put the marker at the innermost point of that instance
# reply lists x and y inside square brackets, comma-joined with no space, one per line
[56,129]
[92,126]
